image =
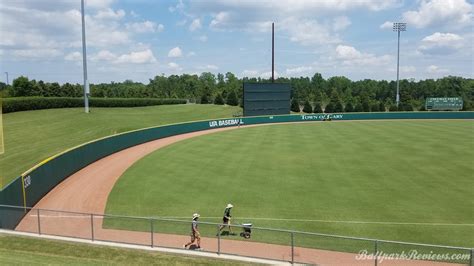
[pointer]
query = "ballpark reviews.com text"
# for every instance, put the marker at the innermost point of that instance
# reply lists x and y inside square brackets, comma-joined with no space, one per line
[411,255]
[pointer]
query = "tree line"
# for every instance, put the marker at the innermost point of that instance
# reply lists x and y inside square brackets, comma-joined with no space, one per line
[335,94]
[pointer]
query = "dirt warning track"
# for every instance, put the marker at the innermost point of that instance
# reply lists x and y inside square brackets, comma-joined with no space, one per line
[87,191]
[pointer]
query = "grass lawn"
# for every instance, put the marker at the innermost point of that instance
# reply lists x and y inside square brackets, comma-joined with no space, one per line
[33,136]
[16,250]
[368,171]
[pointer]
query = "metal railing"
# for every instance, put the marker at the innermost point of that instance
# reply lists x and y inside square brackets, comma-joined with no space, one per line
[267,243]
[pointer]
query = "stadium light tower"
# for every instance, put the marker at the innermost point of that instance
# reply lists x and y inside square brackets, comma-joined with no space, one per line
[84,60]
[399,26]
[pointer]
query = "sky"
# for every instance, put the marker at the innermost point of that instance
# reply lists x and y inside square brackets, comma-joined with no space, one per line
[139,39]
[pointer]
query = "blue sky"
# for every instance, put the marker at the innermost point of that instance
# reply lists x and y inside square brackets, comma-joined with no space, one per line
[142,38]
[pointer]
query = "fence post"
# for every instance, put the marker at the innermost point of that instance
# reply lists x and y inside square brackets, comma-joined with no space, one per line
[152,229]
[472,257]
[92,226]
[218,240]
[39,222]
[292,248]
[376,252]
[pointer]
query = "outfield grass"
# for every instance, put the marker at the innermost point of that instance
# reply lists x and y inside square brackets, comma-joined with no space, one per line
[16,250]
[372,171]
[33,136]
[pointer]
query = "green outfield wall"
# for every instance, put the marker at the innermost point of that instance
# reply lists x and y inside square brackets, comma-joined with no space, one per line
[29,188]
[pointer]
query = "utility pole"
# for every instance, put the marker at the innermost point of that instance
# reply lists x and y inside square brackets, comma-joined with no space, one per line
[398,27]
[8,83]
[84,60]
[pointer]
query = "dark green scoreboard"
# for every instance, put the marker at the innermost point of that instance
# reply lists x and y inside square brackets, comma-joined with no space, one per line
[444,104]
[266,99]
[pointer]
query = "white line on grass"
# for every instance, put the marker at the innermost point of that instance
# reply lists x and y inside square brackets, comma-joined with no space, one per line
[271,219]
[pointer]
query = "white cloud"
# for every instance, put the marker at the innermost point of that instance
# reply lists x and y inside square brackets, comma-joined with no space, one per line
[220,19]
[140,57]
[191,53]
[175,52]
[179,6]
[195,25]
[407,69]
[387,25]
[104,55]
[203,38]
[249,73]
[308,31]
[98,3]
[433,69]
[298,70]
[441,43]
[145,26]
[74,56]
[341,23]
[109,13]
[209,67]
[351,56]
[37,53]
[174,67]
[457,13]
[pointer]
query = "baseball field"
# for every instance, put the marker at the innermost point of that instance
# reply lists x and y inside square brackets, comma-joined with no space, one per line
[393,180]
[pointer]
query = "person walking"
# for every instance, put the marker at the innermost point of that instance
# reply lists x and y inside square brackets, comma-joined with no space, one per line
[226,219]
[195,235]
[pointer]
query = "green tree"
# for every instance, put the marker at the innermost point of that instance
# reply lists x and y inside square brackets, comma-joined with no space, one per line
[22,87]
[338,108]
[317,108]
[307,108]
[232,99]
[329,108]
[295,106]
[219,100]
[374,107]
[349,108]
[393,108]
[381,107]
[358,107]
[204,99]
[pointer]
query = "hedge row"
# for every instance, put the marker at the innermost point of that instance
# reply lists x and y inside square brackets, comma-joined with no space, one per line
[35,103]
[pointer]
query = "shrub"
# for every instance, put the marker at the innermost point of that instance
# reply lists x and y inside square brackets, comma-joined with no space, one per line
[393,108]
[358,108]
[338,108]
[232,99]
[382,107]
[318,109]
[329,108]
[295,106]
[204,99]
[307,108]
[36,103]
[374,107]
[406,107]
[219,100]
[349,108]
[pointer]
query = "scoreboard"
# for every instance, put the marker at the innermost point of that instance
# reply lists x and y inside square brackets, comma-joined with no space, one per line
[444,104]
[266,99]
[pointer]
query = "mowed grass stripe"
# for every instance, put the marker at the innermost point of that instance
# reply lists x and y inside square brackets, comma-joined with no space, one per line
[15,250]
[394,171]
[32,136]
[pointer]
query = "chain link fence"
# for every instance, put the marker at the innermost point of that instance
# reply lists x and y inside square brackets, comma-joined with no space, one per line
[242,240]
